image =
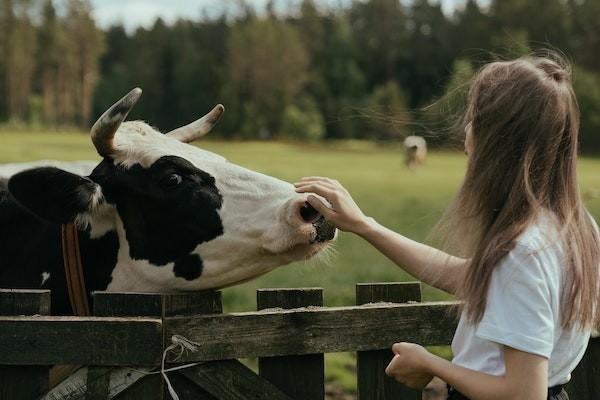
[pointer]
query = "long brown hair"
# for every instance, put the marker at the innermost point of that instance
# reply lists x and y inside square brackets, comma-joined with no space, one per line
[524,118]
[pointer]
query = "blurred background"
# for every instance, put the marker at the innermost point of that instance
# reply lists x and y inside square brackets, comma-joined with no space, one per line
[299,69]
[311,87]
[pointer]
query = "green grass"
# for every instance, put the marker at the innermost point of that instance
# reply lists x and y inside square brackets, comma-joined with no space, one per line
[408,202]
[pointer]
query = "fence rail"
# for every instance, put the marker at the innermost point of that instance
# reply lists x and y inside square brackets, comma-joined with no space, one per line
[288,334]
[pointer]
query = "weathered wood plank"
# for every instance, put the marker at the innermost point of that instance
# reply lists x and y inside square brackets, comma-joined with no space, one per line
[300,377]
[102,383]
[108,304]
[80,340]
[149,387]
[98,383]
[585,382]
[373,384]
[23,382]
[76,386]
[193,303]
[313,330]
[185,388]
[207,302]
[231,380]
[24,302]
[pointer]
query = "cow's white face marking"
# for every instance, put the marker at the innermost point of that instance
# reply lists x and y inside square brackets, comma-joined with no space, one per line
[45,277]
[262,228]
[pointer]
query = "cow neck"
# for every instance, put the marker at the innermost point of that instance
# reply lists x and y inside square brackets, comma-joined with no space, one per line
[74,270]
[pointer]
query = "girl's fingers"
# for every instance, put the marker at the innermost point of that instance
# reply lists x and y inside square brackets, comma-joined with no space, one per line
[325,185]
[315,185]
[396,348]
[318,205]
[390,369]
[302,188]
[319,189]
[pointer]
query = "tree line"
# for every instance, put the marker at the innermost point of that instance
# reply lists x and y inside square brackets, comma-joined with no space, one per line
[375,69]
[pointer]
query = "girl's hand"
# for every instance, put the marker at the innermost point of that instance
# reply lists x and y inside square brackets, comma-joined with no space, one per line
[344,213]
[410,365]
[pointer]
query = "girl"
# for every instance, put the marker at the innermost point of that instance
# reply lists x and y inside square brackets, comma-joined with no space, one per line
[530,276]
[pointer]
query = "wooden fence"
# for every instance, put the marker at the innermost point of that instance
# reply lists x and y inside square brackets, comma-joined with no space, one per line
[289,333]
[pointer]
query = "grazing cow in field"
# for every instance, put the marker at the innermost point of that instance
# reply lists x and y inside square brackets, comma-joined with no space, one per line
[155,215]
[416,151]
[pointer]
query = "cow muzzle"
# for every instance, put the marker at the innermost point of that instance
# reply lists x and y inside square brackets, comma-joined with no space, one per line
[323,230]
[302,231]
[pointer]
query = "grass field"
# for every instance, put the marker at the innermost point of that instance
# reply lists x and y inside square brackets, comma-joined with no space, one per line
[408,202]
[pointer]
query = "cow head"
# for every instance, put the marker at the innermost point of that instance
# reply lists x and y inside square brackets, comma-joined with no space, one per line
[186,218]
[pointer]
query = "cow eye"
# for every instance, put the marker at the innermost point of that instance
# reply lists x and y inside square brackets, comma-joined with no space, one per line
[173,180]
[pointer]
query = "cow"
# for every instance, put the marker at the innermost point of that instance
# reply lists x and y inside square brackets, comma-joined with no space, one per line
[156,214]
[416,151]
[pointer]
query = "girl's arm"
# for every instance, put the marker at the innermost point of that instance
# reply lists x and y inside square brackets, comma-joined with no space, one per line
[526,374]
[427,264]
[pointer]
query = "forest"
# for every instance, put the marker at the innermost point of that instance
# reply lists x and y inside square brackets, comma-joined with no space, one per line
[374,69]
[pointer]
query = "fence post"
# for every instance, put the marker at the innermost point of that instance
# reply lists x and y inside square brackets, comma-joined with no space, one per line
[373,384]
[300,377]
[191,303]
[584,384]
[28,382]
[151,305]
[125,305]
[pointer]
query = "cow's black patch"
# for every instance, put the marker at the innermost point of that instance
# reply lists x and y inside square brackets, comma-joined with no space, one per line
[31,246]
[188,267]
[167,209]
[99,258]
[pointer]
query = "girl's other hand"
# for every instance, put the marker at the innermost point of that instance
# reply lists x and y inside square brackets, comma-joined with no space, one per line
[410,365]
[343,211]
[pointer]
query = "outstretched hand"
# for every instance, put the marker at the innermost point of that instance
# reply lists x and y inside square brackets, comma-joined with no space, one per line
[342,211]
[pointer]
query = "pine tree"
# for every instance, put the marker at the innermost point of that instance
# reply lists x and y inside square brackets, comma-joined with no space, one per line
[49,58]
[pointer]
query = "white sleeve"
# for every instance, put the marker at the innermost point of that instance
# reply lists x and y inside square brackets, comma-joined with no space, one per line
[519,310]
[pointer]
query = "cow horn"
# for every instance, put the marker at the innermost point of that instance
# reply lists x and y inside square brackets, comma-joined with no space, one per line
[198,128]
[103,131]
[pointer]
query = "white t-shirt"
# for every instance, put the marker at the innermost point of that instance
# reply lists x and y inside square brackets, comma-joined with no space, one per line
[523,311]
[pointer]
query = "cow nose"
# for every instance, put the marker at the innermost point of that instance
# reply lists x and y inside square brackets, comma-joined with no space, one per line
[325,230]
[308,214]
[321,230]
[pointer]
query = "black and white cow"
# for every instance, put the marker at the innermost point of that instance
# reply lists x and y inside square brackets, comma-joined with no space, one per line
[155,215]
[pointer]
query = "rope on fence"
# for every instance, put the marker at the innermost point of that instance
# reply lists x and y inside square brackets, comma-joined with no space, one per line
[184,345]
[76,386]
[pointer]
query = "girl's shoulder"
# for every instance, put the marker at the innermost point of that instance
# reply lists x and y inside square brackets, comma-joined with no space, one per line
[542,236]
[538,254]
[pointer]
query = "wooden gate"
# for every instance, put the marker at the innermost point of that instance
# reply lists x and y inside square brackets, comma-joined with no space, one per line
[123,344]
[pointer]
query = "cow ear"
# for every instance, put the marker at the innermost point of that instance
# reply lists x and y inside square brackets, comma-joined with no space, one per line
[53,194]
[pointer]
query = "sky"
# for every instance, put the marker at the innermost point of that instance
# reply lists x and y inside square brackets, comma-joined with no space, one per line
[134,13]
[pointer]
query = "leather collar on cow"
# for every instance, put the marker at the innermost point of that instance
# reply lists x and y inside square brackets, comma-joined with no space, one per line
[74,270]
